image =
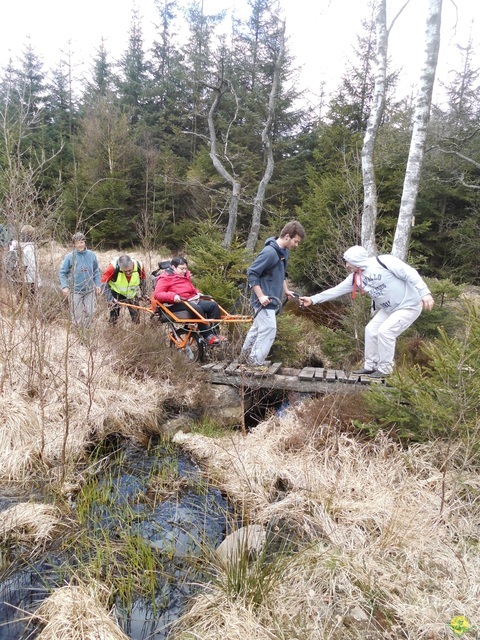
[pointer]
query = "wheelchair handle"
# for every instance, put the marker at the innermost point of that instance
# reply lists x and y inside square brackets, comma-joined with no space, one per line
[274,299]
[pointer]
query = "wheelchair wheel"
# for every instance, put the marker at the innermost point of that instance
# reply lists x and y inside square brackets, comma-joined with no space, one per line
[189,343]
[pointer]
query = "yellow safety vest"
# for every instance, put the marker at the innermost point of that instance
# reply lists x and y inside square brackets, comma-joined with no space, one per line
[121,285]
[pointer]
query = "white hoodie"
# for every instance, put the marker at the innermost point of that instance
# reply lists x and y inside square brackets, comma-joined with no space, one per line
[394,286]
[28,260]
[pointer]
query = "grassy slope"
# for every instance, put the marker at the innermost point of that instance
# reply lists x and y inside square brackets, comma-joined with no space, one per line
[375,531]
[376,534]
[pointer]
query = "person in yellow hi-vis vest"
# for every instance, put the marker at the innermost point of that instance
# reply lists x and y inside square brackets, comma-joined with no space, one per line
[123,280]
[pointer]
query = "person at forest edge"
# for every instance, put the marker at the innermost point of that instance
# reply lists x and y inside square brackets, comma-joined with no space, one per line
[27,275]
[80,279]
[174,285]
[399,294]
[122,281]
[267,278]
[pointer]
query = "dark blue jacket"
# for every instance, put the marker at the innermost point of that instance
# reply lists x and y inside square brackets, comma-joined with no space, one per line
[269,270]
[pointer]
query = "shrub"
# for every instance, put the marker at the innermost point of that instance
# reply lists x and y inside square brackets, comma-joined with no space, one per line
[218,271]
[337,347]
[440,399]
[290,345]
[341,333]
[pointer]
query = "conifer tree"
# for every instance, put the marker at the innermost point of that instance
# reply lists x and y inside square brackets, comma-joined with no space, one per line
[132,82]
[100,82]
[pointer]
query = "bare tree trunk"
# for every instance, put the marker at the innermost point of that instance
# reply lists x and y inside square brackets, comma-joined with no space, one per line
[267,143]
[232,214]
[417,145]
[220,168]
[370,209]
[369,214]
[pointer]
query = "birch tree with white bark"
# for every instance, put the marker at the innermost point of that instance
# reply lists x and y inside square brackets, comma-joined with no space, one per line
[370,209]
[370,200]
[420,122]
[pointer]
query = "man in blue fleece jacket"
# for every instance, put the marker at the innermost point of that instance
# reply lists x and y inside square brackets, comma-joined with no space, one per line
[80,280]
[399,294]
[267,278]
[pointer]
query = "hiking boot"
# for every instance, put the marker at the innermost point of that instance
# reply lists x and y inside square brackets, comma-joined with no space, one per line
[378,375]
[214,340]
[363,372]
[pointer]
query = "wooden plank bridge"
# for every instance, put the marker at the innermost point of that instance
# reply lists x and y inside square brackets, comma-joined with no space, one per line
[276,376]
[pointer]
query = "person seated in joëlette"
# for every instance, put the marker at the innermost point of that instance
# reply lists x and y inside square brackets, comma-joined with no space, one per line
[174,286]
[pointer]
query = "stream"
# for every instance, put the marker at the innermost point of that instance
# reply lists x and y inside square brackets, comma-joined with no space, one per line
[157,494]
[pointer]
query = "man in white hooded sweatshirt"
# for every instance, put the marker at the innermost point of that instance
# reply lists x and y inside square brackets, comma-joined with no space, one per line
[399,294]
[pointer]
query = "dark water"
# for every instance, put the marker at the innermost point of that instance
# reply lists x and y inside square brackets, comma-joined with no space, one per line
[179,527]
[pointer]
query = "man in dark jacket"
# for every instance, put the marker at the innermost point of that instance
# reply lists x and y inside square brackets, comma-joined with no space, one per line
[267,278]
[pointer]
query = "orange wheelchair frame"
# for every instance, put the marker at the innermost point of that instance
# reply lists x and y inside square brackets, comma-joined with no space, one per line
[185,332]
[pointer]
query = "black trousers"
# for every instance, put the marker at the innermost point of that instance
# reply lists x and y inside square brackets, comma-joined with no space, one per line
[115,311]
[206,308]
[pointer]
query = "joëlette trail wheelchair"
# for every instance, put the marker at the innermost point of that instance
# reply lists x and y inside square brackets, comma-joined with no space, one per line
[185,327]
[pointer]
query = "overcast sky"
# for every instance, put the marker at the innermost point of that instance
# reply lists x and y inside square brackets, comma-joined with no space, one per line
[321,32]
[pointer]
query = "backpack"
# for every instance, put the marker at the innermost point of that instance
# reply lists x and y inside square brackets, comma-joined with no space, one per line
[281,258]
[379,262]
[136,263]
[163,265]
[13,268]
[382,264]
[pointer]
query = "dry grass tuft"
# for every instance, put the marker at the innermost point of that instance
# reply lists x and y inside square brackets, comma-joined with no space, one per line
[77,613]
[212,616]
[28,523]
[389,530]
[337,411]
[61,390]
[20,442]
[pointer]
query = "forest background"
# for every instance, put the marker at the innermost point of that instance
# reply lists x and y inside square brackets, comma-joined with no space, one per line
[148,154]
[154,147]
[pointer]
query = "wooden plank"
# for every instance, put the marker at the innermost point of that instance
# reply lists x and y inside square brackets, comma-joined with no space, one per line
[263,371]
[351,379]
[260,374]
[232,368]
[330,375]
[285,383]
[340,375]
[280,383]
[218,367]
[208,366]
[274,368]
[243,372]
[288,371]
[365,380]
[307,373]
[319,373]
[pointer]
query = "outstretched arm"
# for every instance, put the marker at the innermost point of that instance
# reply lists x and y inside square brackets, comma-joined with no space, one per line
[341,289]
